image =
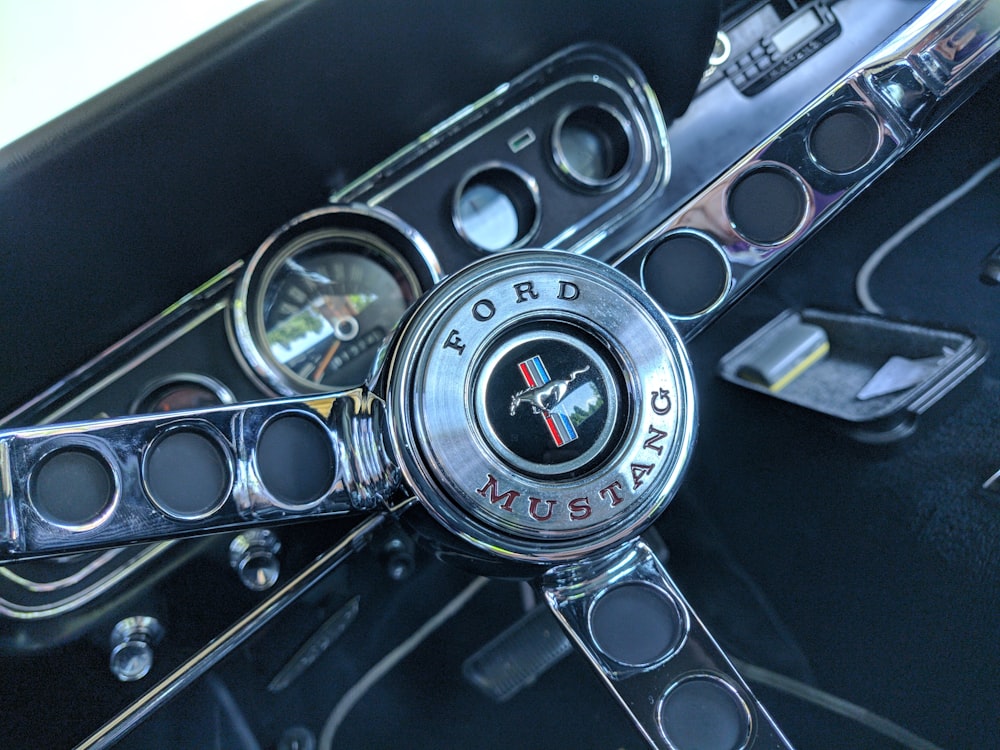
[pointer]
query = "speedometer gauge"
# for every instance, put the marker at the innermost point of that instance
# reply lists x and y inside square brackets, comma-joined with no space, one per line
[320,296]
[326,306]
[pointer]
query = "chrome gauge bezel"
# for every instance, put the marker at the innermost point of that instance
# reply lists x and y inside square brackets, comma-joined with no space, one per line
[519,190]
[218,389]
[564,163]
[383,236]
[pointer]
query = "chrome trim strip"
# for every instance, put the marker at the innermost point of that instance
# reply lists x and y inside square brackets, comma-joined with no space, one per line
[231,638]
[78,599]
[162,343]
[43,587]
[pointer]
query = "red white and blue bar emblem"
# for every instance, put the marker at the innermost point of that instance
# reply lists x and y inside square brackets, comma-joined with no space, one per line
[560,427]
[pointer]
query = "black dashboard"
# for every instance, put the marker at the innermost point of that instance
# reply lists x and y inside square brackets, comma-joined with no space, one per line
[252,217]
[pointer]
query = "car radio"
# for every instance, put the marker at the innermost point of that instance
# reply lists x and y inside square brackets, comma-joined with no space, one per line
[762,47]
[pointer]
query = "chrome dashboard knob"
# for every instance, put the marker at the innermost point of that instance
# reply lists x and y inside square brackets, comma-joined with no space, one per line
[132,642]
[253,555]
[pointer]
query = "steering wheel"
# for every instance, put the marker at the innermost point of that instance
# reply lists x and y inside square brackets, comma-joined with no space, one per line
[537,404]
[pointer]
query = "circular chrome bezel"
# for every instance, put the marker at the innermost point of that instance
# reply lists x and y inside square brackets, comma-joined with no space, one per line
[450,467]
[714,243]
[734,692]
[808,205]
[531,198]
[388,236]
[211,434]
[216,387]
[566,170]
[254,464]
[99,451]
[722,49]
[847,107]
[683,625]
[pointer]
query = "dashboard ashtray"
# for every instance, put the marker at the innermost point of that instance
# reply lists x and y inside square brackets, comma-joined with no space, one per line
[870,376]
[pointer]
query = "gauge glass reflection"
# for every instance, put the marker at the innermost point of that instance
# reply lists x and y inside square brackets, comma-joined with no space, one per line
[591,146]
[489,217]
[496,208]
[181,391]
[326,305]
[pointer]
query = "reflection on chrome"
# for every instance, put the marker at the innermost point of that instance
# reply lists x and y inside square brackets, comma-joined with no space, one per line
[905,87]
[644,668]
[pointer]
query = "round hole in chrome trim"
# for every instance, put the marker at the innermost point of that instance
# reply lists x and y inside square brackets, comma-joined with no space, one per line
[497,207]
[295,461]
[637,624]
[704,711]
[767,204]
[592,146]
[75,486]
[188,471]
[666,269]
[845,139]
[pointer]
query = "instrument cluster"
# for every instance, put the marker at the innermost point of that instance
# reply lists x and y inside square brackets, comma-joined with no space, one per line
[553,159]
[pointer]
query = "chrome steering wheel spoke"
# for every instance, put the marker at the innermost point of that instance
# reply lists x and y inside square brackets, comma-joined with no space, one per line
[87,485]
[627,616]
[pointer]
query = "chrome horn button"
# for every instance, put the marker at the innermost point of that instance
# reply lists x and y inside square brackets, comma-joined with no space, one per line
[541,406]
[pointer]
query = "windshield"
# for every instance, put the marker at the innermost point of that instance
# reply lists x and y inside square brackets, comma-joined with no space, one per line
[55,54]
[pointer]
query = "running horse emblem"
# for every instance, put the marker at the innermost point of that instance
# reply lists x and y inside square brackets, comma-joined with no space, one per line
[546,396]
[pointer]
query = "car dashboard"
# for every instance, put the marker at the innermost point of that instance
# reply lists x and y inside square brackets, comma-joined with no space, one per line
[238,230]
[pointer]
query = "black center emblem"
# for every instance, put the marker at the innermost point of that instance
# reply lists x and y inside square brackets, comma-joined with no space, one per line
[549,401]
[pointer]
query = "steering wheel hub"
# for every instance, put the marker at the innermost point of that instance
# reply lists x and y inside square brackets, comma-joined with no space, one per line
[541,406]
